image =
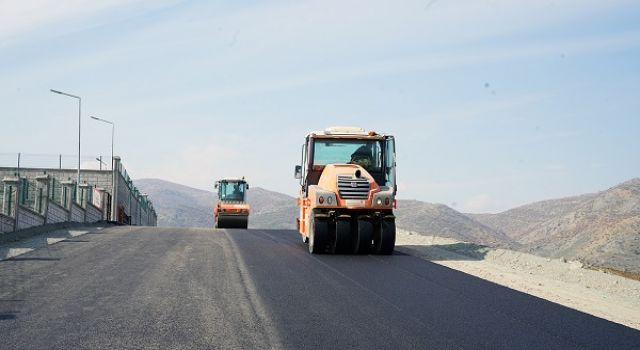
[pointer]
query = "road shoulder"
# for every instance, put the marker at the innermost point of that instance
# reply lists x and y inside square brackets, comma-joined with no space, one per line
[567,283]
[39,240]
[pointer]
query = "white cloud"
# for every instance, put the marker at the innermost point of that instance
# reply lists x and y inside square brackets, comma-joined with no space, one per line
[18,17]
[401,65]
[280,33]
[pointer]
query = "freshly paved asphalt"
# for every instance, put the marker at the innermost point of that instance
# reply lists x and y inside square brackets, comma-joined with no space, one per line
[161,288]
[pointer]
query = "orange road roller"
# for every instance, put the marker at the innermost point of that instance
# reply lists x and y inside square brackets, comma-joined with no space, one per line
[232,209]
[347,191]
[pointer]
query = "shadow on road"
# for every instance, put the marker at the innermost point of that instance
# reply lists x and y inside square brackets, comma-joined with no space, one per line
[8,312]
[444,252]
[7,316]
[34,258]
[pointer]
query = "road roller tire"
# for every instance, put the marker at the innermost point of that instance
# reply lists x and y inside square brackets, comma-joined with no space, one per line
[244,224]
[362,237]
[221,223]
[341,243]
[386,240]
[318,235]
[232,222]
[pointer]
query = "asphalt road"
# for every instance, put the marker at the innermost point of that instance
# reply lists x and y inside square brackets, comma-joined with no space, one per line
[161,288]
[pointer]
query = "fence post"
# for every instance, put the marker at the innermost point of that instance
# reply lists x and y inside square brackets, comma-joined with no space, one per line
[84,194]
[102,199]
[42,202]
[145,201]
[115,180]
[12,187]
[52,189]
[68,189]
[84,200]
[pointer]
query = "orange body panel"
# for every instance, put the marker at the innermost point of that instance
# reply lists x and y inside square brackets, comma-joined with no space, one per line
[231,208]
[328,183]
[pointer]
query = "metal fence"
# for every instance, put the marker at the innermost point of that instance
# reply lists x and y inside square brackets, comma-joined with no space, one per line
[144,202]
[56,191]
[2,199]
[7,207]
[54,161]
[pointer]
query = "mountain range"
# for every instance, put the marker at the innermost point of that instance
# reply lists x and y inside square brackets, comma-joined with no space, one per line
[600,229]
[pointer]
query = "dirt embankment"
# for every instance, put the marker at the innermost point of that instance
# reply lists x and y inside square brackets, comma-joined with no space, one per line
[569,283]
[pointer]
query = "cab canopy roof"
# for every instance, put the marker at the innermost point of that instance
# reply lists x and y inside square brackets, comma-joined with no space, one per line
[346,132]
[232,179]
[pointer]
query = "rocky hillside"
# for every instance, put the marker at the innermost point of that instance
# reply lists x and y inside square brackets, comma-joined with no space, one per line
[178,205]
[602,229]
[443,221]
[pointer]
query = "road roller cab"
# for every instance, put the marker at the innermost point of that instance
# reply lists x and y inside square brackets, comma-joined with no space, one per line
[347,191]
[232,210]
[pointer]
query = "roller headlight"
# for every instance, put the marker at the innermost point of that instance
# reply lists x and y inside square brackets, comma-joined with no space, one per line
[324,198]
[383,199]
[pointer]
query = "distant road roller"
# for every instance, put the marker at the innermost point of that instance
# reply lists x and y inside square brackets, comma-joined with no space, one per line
[232,209]
[347,191]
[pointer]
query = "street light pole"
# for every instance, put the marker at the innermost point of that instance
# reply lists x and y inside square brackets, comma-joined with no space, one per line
[79,135]
[113,128]
[113,171]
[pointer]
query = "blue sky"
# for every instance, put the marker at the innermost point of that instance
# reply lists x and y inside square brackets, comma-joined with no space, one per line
[494,103]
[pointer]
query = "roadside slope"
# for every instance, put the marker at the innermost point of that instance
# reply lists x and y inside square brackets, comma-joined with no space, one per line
[568,283]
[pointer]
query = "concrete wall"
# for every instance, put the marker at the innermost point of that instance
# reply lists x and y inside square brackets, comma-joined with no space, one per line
[77,213]
[93,214]
[30,203]
[28,218]
[98,178]
[95,178]
[51,192]
[6,223]
[56,213]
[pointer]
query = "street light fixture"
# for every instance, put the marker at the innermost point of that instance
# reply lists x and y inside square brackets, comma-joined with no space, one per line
[99,159]
[79,128]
